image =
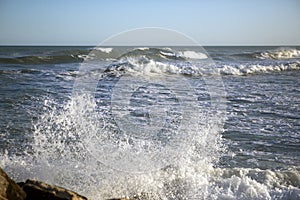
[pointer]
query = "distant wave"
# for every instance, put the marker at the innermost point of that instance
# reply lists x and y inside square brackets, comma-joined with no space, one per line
[192,55]
[33,60]
[279,54]
[164,53]
[167,60]
[157,61]
[257,68]
[102,49]
[282,54]
[103,53]
[145,65]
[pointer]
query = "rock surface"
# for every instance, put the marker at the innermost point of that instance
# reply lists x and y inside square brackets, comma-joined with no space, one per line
[9,190]
[39,190]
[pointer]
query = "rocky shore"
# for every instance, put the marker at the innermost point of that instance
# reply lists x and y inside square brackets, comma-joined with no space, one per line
[35,190]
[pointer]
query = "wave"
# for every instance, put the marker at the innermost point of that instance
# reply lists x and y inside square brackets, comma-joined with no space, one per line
[161,60]
[143,65]
[151,67]
[165,53]
[21,71]
[247,69]
[102,49]
[279,54]
[252,54]
[192,55]
[247,183]
[102,54]
[35,60]
[166,60]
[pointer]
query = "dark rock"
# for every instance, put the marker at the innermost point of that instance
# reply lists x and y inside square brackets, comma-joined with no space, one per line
[9,189]
[37,190]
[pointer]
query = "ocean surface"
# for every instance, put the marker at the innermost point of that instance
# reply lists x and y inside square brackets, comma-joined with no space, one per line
[158,122]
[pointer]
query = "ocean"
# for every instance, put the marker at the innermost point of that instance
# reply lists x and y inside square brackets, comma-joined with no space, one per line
[158,122]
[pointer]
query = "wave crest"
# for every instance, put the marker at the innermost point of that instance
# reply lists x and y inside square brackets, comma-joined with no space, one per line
[164,53]
[280,54]
[142,65]
[256,68]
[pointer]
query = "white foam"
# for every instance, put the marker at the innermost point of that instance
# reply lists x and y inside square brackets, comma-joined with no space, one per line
[85,57]
[151,67]
[252,69]
[105,50]
[280,54]
[192,55]
[167,53]
[144,65]
[247,183]
[142,48]
[186,182]
[185,54]
[62,154]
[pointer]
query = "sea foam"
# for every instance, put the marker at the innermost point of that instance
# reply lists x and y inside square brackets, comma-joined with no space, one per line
[280,54]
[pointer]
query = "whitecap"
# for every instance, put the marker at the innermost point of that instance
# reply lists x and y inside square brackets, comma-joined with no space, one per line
[192,55]
[256,68]
[142,48]
[280,54]
[167,53]
[105,50]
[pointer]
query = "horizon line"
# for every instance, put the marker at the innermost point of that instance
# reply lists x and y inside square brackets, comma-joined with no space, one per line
[92,45]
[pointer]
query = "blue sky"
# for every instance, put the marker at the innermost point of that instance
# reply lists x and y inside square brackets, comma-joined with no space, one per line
[211,22]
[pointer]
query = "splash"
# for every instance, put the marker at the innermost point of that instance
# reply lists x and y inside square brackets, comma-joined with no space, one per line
[147,131]
[165,150]
[62,153]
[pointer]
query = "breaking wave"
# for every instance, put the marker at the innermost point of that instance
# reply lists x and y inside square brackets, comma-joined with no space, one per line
[279,54]
[149,66]
[164,53]
[102,49]
[248,69]
[101,54]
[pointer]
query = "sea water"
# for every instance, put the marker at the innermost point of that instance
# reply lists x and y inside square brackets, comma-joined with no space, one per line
[159,122]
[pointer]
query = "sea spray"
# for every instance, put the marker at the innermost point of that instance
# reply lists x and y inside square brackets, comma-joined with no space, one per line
[62,155]
[154,133]
[67,137]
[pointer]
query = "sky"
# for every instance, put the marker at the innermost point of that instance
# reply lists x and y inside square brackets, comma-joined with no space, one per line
[210,22]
